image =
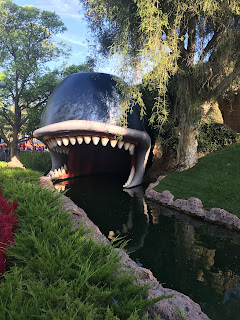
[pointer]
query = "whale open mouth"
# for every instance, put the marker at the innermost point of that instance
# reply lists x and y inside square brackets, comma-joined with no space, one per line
[81,147]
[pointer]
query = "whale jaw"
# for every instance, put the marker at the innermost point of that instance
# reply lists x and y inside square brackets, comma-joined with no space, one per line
[81,147]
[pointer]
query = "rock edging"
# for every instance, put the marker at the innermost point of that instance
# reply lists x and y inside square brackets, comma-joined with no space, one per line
[166,308]
[193,207]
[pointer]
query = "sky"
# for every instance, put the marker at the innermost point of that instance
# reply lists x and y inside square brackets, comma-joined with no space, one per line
[78,35]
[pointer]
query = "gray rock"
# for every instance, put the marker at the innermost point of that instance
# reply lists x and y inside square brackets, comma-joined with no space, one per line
[166,197]
[193,206]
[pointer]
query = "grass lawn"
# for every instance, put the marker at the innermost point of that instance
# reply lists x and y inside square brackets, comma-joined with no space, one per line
[215,179]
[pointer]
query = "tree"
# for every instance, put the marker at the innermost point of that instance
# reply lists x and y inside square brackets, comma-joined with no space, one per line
[26,45]
[88,66]
[187,51]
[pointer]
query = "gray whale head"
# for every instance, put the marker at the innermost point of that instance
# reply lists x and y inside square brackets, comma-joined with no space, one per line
[80,126]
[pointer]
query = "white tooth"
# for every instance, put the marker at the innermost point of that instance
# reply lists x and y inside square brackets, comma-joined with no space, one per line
[54,142]
[73,140]
[104,141]
[55,173]
[65,167]
[130,178]
[95,140]
[59,141]
[79,139]
[59,171]
[49,144]
[113,143]
[63,171]
[120,144]
[126,145]
[87,139]
[65,141]
[51,174]
[131,149]
[60,149]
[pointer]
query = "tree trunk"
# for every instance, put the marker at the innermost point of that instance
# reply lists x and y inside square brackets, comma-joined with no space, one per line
[13,150]
[187,146]
[14,144]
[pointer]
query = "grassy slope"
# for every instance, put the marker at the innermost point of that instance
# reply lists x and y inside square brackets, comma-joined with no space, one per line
[215,179]
[58,273]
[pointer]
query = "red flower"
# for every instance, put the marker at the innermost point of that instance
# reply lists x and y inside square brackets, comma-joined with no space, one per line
[8,222]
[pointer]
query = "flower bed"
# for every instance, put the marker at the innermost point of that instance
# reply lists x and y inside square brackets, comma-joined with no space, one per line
[8,221]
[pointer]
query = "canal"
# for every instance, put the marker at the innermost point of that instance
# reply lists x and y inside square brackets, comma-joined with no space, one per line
[185,254]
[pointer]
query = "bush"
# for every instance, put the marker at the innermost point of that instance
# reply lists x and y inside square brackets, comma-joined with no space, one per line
[37,161]
[169,137]
[3,164]
[214,136]
[58,272]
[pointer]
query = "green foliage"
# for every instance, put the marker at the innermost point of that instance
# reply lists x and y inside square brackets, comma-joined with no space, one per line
[34,116]
[214,136]
[168,37]
[26,36]
[58,272]
[26,45]
[37,161]
[88,66]
[185,51]
[169,137]
[212,179]
[3,164]
[180,314]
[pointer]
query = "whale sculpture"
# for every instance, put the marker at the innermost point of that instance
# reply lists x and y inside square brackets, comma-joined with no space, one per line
[80,126]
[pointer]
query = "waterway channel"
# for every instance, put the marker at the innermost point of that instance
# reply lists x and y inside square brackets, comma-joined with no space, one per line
[188,255]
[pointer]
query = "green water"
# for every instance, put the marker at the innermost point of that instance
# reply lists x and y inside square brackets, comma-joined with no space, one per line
[187,255]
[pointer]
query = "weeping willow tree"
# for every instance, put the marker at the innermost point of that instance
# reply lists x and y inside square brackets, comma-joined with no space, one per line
[186,50]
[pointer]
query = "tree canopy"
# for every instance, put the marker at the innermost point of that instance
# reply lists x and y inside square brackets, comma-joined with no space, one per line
[26,45]
[187,51]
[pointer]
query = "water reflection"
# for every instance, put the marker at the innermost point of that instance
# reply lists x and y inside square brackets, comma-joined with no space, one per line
[188,255]
[118,213]
[195,258]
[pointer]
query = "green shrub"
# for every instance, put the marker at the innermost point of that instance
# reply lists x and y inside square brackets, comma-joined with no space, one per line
[214,136]
[3,164]
[37,161]
[58,272]
[169,137]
